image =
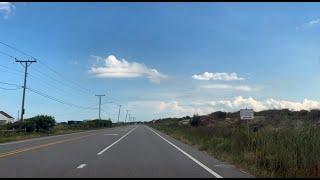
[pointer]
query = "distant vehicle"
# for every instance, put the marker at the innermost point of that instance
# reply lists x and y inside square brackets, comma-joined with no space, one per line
[74,122]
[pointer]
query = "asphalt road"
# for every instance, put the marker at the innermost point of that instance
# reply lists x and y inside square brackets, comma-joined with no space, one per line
[128,152]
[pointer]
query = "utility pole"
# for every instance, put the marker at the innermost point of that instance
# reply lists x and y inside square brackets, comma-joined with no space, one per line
[26,64]
[100,104]
[119,113]
[126,116]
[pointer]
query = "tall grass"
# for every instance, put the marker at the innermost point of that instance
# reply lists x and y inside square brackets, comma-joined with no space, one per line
[288,151]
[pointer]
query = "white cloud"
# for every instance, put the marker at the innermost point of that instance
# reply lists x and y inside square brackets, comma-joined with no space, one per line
[217,76]
[6,8]
[314,22]
[170,108]
[309,24]
[115,68]
[174,107]
[240,102]
[306,104]
[229,87]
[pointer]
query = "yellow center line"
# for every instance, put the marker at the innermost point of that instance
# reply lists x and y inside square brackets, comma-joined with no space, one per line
[17,151]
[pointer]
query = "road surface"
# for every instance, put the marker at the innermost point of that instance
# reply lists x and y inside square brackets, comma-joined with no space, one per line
[129,151]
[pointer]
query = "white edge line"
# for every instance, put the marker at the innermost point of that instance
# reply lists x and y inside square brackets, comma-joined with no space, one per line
[189,156]
[101,152]
[111,134]
[81,166]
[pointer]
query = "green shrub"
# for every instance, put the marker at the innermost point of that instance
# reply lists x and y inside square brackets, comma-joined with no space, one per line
[97,123]
[37,123]
[195,121]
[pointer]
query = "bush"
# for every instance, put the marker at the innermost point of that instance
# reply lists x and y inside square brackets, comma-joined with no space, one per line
[195,121]
[97,123]
[219,115]
[38,123]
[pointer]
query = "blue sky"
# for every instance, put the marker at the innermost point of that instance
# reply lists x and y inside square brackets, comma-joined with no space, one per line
[161,59]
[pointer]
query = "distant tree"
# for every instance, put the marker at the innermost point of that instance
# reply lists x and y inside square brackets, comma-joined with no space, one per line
[39,122]
[195,121]
[219,115]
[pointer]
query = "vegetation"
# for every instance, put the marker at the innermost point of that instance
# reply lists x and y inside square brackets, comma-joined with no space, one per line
[278,143]
[43,125]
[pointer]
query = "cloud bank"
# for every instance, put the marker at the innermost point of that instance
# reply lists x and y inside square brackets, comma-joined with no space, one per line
[241,102]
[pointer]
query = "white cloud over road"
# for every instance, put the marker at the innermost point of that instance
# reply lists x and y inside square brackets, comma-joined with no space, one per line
[309,24]
[206,76]
[6,9]
[313,22]
[241,102]
[116,68]
[175,108]
[230,87]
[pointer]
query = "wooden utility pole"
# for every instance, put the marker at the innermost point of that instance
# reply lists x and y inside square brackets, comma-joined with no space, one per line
[26,64]
[100,104]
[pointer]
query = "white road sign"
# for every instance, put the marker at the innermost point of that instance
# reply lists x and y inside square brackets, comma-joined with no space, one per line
[246,114]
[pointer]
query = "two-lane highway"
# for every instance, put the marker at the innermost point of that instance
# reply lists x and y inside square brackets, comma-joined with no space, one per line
[130,151]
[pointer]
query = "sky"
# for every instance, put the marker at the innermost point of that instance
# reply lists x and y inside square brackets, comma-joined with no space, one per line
[159,60]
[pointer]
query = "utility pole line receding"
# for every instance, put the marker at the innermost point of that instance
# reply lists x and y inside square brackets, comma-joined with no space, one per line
[119,113]
[100,104]
[125,120]
[129,118]
[26,64]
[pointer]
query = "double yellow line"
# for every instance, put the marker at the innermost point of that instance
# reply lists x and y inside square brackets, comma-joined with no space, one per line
[17,151]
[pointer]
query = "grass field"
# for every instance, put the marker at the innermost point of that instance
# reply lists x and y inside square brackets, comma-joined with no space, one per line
[291,150]
[57,130]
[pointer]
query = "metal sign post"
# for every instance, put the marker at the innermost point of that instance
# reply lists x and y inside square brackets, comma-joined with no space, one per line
[247,114]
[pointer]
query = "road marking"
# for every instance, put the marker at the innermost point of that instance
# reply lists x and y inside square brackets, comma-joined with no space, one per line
[111,134]
[54,136]
[17,151]
[101,152]
[81,166]
[189,156]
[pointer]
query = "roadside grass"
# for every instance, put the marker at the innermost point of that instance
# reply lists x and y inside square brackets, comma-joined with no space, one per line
[283,152]
[56,130]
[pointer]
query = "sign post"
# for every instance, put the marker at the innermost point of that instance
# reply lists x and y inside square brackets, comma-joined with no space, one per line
[247,114]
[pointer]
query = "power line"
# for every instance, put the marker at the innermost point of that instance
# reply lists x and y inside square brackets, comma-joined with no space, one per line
[9,84]
[54,79]
[56,88]
[11,69]
[58,100]
[16,49]
[42,63]
[9,88]
[40,72]
[6,54]
[33,59]
[76,84]
[26,64]
[17,72]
